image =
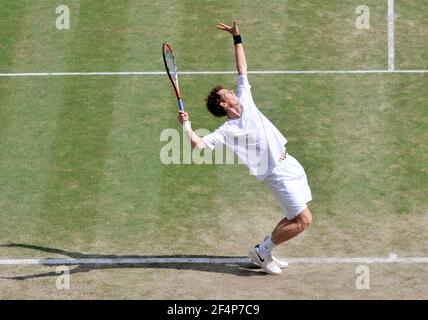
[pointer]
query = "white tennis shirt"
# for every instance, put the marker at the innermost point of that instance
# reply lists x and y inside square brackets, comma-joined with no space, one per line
[254,139]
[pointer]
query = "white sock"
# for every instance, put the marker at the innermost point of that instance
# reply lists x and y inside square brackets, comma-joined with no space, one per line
[266,246]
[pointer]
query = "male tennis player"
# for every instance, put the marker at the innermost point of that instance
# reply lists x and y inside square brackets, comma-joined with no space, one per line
[263,150]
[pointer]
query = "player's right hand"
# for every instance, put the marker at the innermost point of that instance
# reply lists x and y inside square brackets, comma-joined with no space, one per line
[182,117]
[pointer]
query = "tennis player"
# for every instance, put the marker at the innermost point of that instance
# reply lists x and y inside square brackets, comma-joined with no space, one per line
[262,148]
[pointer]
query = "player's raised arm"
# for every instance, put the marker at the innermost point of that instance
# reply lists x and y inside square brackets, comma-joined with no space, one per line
[241,63]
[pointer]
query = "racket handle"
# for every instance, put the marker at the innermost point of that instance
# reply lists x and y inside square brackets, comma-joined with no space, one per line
[180,105]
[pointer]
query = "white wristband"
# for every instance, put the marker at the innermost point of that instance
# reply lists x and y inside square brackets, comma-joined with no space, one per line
[186,126]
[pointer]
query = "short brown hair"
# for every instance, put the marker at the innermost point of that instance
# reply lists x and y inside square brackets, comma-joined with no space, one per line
[213,102]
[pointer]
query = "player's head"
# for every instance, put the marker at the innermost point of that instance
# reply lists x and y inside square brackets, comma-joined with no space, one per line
[220,100]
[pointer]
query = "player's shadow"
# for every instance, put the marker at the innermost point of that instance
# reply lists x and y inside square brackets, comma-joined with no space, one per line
[238,269]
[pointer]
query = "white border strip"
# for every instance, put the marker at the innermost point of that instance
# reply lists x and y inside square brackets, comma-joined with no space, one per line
[391,36]
[197,73]
[189,260]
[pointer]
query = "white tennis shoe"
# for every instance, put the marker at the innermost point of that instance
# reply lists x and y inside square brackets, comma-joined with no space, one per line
[267,264]
[280,262]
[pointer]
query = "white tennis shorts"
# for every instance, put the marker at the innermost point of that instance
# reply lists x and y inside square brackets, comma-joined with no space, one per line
[289,183]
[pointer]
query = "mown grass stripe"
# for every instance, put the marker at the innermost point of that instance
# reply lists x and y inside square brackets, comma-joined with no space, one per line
[81,143]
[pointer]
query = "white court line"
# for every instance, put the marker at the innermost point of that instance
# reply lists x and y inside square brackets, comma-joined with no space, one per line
[184,260]
[197,73]
[391,36]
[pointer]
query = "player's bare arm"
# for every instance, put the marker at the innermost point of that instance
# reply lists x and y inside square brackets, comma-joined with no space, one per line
[195,140]
[241,63]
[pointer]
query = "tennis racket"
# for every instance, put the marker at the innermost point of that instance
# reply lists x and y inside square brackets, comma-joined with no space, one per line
[171,70]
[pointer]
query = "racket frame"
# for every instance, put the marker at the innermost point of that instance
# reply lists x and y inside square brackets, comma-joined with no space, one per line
[167,46]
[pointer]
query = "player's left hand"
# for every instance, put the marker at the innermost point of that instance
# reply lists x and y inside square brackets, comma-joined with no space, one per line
[233,30]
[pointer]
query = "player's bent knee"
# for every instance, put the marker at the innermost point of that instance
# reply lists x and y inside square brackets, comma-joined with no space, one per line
[305,218]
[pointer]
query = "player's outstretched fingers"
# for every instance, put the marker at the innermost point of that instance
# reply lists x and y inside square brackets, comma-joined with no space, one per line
[223,26]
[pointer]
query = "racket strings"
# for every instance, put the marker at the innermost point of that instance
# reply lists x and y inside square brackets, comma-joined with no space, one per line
[170,61]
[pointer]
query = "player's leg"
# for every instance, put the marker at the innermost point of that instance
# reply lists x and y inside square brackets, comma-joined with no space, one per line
[287,229]
[289,184]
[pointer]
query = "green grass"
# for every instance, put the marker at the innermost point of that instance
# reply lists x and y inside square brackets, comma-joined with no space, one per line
[79,156]
[411,44]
